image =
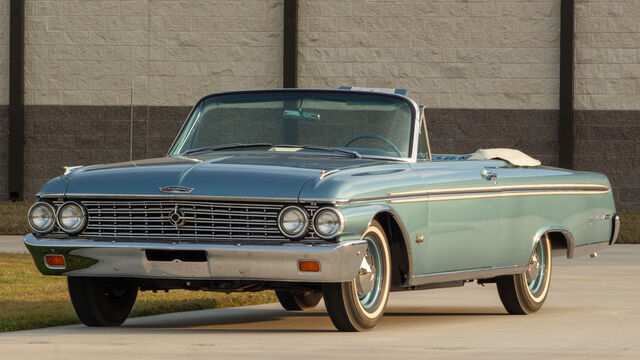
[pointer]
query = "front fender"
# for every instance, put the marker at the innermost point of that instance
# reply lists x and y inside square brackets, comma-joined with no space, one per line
[357,219]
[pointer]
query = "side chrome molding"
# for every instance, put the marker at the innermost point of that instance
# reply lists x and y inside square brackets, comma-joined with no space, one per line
[473,274]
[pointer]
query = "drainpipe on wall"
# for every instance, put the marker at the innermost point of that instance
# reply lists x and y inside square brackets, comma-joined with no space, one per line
[290,45]
[566,139]
[16,99]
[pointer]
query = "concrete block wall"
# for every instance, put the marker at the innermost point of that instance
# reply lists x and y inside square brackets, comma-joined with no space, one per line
[468,62]
[450,54]
[607,94]
[607,58]
[4,98]
[82,58]
[89,52]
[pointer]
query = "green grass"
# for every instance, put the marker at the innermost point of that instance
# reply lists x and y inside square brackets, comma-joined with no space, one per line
[29,300]
[13,217]
[629,228]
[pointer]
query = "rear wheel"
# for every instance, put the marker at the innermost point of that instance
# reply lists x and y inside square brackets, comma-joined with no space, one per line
[359,304]
[101,301]
[525,293]
[298,300]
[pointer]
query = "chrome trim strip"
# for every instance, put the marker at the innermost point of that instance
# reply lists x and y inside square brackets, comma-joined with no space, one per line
[616,230]
[49,195]
[326,173]
[340,261]
[502,188]
[169,197]
[493,195]
[472,274]
[587,249]
[485,192]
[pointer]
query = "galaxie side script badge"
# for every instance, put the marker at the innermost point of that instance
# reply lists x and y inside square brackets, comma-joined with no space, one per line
[176,189]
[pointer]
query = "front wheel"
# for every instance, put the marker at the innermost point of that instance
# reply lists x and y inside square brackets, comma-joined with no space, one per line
[359,304]
[101,301]
[525,293]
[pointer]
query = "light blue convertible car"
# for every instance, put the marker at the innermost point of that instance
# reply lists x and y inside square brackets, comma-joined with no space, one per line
[314,193]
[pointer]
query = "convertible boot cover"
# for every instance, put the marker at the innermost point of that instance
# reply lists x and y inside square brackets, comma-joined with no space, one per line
[512,156]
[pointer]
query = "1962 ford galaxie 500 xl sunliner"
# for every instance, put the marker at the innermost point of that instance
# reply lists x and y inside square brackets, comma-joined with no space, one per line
[314,193]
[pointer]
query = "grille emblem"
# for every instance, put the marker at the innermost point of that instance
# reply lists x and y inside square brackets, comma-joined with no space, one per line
[176,189]
[177,218]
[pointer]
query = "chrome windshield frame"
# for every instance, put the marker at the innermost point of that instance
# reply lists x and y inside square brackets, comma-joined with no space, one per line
[415,113]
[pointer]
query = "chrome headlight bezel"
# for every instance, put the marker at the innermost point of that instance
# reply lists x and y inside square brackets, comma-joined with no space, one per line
[83,218]
[54,217]
[338,215]
[304,225]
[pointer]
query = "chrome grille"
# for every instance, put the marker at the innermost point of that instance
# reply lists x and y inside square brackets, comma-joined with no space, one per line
[203,221]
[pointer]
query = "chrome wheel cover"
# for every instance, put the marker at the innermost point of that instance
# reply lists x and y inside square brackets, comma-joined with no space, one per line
[370,276]
[537,272]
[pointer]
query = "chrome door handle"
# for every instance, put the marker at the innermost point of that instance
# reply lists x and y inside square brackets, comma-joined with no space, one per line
[488,175]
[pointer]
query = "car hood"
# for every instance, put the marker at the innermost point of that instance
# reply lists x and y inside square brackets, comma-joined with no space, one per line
[244,175]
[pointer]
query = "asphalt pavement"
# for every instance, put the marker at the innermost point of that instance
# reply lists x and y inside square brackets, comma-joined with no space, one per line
[592,312]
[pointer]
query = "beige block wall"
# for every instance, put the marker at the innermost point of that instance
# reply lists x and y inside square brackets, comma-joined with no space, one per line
[607,57]
[90,52]
[4,52]
[448,54]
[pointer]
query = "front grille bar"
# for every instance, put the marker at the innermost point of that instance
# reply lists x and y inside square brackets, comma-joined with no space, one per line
[204,221]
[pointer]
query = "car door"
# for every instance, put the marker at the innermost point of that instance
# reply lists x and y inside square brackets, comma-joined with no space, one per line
[464,217]
[464,213]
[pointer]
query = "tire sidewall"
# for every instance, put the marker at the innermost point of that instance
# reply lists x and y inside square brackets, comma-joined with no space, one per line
[368,318]
[529,301]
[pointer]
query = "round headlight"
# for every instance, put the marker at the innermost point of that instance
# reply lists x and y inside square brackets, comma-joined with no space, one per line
[328,222]
[71,217]
[293,221]
[42,217]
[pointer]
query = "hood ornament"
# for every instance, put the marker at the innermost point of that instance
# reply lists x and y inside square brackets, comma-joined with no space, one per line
[176,189]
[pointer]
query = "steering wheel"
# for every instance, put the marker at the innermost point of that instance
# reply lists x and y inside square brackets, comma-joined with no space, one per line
[376,137]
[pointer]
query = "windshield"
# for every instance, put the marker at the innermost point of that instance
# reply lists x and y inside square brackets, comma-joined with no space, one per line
[305,121]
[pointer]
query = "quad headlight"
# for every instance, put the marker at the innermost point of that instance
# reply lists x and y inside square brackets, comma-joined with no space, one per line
[71,217]
[328,222]
[293,221]
[42,217]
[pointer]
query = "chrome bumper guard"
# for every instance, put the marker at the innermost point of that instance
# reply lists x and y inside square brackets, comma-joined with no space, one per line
[339,262]
[615,230]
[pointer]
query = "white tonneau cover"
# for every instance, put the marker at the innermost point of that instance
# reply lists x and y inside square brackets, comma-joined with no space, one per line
[512,156]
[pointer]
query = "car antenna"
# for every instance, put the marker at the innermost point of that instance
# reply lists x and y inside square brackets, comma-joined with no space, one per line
[131,126]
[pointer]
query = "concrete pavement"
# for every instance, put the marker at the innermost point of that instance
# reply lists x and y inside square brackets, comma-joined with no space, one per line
[12,244]
[592,311]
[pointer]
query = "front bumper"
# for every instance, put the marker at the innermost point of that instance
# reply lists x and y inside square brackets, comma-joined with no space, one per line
[339,262]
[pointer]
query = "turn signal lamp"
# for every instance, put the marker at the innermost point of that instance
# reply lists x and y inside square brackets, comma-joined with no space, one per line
[55,261]
[309,266]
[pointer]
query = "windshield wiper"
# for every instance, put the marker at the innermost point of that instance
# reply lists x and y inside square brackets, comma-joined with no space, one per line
[224,147]
[353,153]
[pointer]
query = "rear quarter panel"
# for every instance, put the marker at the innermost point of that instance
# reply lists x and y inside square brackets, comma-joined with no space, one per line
[524,217]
